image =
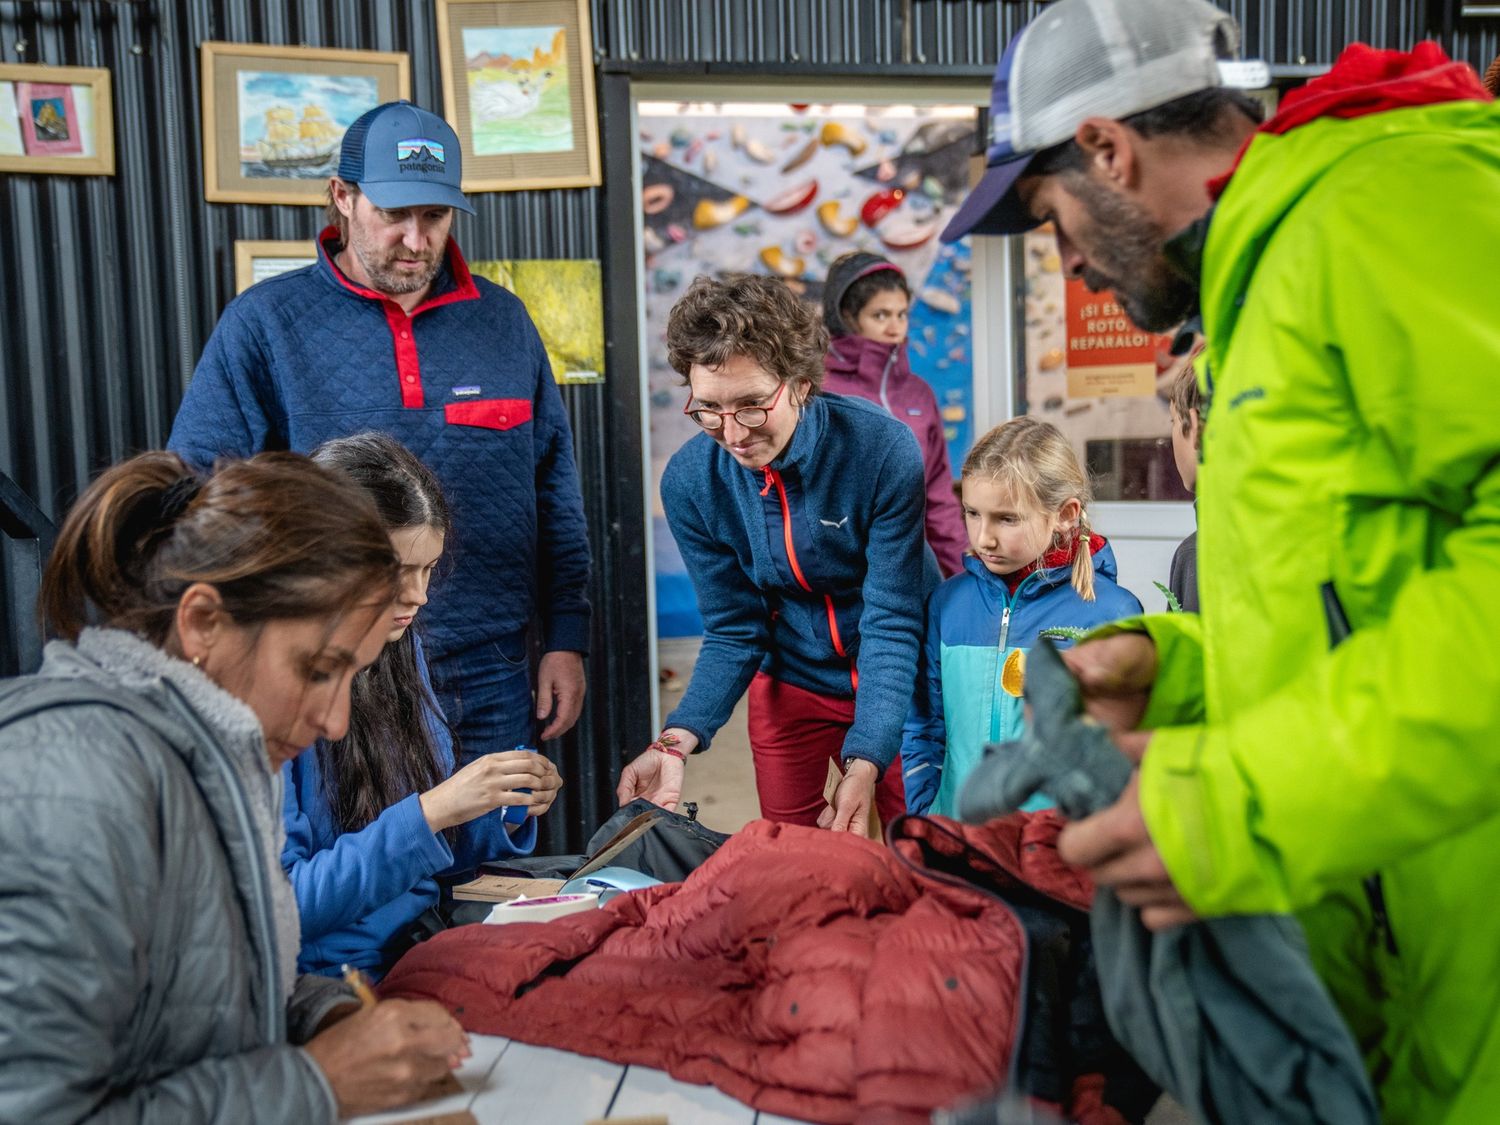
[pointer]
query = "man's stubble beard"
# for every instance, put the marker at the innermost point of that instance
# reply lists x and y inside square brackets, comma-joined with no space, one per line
[1128,259]
[386,280]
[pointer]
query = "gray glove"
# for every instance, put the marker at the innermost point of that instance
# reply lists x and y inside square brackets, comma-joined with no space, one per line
[1063,753]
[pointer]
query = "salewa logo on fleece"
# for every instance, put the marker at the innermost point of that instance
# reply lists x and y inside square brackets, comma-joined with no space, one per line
[831,523]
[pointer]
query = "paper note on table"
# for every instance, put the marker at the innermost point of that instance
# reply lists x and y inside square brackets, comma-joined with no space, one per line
[503,888]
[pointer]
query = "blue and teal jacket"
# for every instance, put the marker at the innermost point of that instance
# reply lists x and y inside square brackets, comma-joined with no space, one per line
[973,623]
[359,892]
[813,569]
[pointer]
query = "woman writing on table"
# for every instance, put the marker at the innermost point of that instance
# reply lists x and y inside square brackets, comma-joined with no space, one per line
[799,517]
[373,818]
[148,940]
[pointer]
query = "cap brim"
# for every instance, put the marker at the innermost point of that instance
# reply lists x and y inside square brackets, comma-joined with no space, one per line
[393,196]
[993,206]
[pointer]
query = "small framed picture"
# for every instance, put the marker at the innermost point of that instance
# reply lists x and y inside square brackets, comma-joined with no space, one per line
[274,117]
[257,259]
[518,88]
[56,119]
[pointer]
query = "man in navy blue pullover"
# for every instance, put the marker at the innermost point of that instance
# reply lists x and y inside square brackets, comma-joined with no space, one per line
[388,331]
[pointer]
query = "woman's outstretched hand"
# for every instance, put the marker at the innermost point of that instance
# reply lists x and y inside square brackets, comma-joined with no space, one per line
[849,811]
[655,774]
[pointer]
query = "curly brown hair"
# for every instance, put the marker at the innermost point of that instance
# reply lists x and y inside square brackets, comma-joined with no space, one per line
[752,316]
[1492,77]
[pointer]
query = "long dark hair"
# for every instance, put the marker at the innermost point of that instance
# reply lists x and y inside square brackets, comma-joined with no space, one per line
[279,538]
[389,752]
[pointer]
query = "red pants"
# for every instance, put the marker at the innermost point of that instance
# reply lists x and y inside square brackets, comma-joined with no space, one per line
[794,734]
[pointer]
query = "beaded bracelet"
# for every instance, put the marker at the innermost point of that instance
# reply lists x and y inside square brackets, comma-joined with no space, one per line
[667,744]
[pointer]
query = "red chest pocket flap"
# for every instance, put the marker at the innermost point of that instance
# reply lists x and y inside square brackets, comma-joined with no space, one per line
[488,413]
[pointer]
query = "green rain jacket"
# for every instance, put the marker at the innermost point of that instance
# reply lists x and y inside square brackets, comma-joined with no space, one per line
[1352,462]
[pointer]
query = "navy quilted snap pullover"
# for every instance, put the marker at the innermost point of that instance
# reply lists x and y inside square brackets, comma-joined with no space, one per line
[811,569]
[463,382]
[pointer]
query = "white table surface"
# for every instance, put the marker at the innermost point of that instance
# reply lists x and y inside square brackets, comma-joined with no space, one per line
[506,1081]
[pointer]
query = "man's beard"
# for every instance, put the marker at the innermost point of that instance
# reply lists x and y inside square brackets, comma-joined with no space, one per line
[387,279]
[1128,257]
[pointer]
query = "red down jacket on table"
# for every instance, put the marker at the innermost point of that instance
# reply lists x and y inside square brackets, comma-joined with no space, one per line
[804,972]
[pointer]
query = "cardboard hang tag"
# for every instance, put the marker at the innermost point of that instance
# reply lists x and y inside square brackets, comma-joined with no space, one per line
[503,888]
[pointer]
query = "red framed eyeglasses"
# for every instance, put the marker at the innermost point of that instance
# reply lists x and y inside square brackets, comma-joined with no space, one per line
[751,417]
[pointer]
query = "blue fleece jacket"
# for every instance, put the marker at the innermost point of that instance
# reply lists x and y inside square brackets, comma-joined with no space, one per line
[974,623]
[463,382]
[359,891]
[811,569]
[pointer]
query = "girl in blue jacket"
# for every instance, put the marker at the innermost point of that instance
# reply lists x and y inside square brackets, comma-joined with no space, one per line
[1034,565]
[373,819]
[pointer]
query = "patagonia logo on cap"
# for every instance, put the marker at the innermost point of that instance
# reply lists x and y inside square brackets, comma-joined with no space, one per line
[420,155]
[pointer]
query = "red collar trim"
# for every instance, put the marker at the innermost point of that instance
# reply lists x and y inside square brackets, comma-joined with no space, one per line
[1363,81]
[463,289]
[1058,556]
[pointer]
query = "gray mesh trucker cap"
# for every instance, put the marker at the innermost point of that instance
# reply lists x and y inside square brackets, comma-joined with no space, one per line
[1092,58]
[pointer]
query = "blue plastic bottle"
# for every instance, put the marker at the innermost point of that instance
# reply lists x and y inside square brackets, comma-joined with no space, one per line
[516,814]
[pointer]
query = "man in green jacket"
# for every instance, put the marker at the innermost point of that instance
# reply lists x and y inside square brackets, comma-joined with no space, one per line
[1324,738]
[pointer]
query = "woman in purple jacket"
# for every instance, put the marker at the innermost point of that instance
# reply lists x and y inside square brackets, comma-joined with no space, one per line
[374,818]
[865,303]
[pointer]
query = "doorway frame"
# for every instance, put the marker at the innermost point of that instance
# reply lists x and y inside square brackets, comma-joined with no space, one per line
[622,86]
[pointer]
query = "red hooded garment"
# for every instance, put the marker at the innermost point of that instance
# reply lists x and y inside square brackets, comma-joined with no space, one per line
[806,973]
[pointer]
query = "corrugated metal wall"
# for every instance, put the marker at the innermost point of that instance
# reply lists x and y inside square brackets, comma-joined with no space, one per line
[110,286]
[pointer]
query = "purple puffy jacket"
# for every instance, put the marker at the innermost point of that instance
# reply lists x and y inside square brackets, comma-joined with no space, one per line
[881,374]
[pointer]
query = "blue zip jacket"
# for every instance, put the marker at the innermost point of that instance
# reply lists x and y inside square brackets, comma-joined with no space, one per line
[463,382]
[973,623]
[358,892]
[811,569]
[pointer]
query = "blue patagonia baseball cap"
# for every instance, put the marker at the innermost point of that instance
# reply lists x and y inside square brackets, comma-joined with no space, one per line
[401,155]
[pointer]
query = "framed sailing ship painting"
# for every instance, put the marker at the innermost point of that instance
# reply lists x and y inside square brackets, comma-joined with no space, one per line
[274,117]
[518,88]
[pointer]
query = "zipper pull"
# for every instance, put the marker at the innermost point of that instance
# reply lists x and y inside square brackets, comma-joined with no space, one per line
[770,480]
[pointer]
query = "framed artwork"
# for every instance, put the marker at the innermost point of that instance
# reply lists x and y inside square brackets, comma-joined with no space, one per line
[257,259]
[274,117]
[518,87]
[56,119]
[565,299]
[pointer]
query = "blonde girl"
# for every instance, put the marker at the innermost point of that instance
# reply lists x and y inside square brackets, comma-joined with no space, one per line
[1034,564]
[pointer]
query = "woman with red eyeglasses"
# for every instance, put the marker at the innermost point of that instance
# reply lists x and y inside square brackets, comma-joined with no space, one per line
[800,519]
